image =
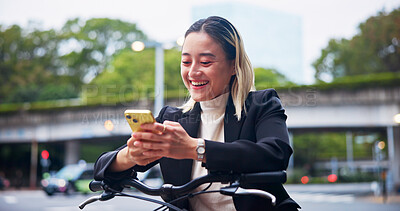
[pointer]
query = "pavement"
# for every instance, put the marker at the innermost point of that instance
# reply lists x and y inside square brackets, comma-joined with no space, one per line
[390,199]
[332,188]
[358,191]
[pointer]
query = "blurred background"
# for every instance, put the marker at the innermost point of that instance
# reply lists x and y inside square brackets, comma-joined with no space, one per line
[70,68]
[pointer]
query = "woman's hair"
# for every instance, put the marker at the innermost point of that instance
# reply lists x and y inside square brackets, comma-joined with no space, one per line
[226,35]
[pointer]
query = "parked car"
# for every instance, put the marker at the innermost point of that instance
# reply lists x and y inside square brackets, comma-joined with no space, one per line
[4,183]
[70,178]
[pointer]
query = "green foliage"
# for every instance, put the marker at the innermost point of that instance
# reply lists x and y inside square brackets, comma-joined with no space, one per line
[312,147]
[56,92]
[23,94]
[269,78]
[375,49]
[353,82]
[173,80]
[94,43]
[130,75]
[324,146]
[97,94]
[48,92]
[91,151]
[40,65]
[26,60]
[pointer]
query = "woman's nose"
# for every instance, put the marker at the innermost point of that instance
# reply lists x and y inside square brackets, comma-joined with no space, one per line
[194,70]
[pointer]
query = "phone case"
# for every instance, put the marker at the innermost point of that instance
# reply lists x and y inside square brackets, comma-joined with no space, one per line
[137,117]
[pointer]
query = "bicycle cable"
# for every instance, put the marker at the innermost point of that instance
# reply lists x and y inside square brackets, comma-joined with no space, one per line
[190,195]
[163,204]
[206,188]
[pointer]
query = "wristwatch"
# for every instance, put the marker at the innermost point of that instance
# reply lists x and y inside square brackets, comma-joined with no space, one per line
[201,149]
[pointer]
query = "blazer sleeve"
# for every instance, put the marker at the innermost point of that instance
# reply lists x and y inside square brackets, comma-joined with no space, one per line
[263,144]
[104,161]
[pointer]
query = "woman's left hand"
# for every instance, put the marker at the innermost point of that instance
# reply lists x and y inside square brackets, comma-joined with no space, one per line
[166,140]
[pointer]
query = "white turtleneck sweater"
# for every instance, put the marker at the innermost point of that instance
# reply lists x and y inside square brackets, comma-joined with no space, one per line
[211,128]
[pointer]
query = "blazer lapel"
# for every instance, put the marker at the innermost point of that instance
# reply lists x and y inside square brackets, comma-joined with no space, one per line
[191,125]
[191,122]
[232,127]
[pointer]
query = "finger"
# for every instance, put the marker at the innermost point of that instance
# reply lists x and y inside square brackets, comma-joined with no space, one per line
[137,154]
[155,145]
[150,154]
[154,153]
[130,142]
[145,162]
[166,122]
[147,136]
[137,144]
[153,126]
[138,149]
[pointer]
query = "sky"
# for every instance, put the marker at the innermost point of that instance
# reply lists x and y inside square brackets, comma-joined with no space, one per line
[166,21]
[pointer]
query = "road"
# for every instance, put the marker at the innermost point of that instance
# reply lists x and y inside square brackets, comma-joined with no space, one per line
[37,200]
[333,197]
[311,198]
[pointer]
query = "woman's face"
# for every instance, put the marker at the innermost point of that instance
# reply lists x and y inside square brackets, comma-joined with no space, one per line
[205,70]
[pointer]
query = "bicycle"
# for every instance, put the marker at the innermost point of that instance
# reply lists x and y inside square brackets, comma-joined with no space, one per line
[172,194]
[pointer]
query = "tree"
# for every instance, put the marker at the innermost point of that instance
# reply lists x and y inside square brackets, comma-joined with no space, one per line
[48,64]
[28,61]
[93,44]
[269,78]
[130,75]
[375,49]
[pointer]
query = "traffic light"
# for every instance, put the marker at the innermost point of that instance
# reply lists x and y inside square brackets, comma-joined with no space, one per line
[45,154]
[45,161]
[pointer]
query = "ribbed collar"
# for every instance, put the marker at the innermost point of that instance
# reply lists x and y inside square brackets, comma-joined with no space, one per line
[216,105]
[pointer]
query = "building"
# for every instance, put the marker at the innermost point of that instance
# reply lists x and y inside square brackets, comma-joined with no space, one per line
[272,39]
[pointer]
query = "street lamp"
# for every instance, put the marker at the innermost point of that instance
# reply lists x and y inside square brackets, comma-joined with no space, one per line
[396,118]
[109,125]
[138,46]
[159,72]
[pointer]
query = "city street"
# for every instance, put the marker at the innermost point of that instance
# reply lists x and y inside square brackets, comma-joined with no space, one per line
[310,197]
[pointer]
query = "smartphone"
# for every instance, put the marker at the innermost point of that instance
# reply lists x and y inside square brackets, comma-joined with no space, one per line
[137,117]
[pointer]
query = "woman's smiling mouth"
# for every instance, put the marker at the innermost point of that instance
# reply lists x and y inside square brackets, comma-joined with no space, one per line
[199,83]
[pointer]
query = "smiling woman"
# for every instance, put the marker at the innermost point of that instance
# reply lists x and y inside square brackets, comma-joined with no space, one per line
[225,126]
[205,70]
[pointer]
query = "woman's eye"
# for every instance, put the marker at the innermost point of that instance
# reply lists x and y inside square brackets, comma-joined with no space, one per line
[205,63]
[185,62]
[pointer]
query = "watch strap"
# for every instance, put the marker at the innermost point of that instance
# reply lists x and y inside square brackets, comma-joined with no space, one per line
[201,148]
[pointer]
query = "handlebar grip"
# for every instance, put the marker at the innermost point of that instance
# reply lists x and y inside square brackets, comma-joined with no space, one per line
[265,177]
[95,185]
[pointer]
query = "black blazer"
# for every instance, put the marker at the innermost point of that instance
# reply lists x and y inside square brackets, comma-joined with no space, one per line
[258,142]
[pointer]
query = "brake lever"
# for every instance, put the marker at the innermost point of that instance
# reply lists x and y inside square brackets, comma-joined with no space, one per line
[234,190]
[89,201]
[106,195]
[264,194]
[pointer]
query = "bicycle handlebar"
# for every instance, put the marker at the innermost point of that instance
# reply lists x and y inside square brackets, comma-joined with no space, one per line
[168,190]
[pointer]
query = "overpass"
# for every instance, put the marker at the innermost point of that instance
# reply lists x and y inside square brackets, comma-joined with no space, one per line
[366,109]
[308,109]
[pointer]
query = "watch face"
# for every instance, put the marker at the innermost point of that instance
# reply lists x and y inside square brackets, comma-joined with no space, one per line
[201,150]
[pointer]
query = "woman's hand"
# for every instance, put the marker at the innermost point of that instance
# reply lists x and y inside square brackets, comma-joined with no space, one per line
[132,155]
[137,154]
[166,140]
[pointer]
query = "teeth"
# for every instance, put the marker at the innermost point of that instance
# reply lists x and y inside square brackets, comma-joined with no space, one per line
[199,83]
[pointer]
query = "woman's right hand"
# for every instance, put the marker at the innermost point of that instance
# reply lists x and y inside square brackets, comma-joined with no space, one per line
[130,156]
[135,153]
